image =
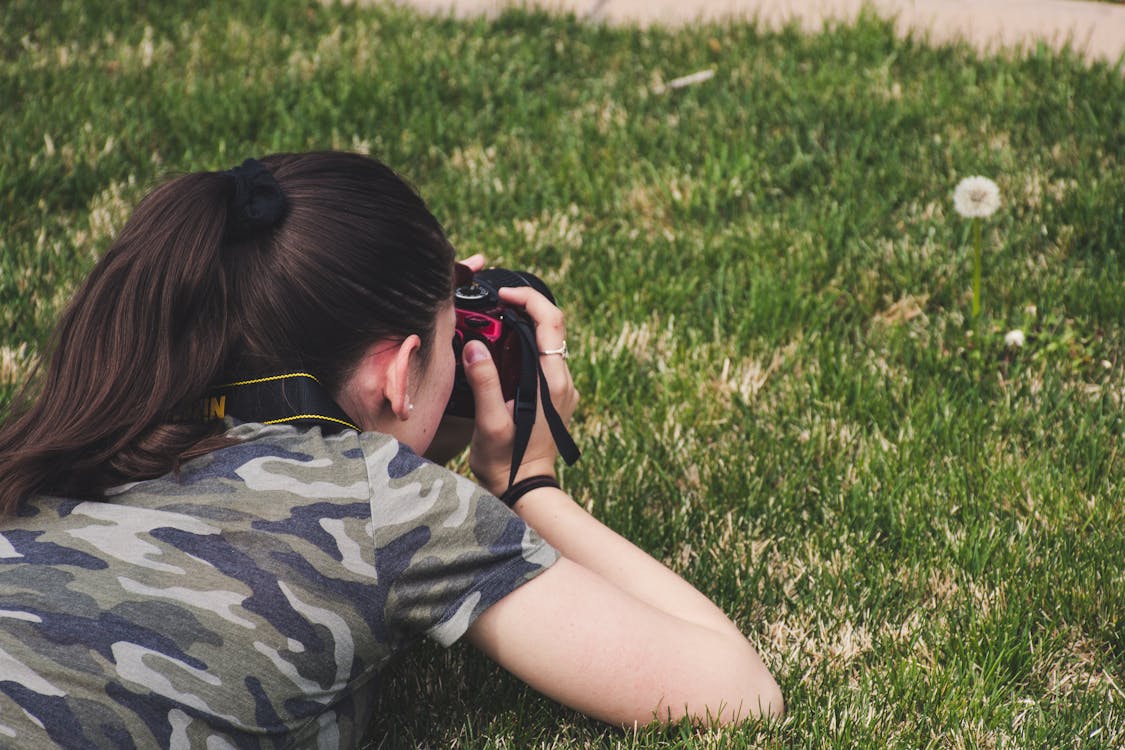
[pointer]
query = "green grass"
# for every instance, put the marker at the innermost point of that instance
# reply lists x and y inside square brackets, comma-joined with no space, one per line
[767,289]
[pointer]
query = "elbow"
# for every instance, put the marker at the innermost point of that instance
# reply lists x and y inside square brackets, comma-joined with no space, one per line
[759,701]
[758,698]
[771,704]
[748,693]
[755,694]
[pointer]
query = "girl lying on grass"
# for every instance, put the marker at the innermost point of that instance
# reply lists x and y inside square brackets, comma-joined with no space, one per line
[168,581]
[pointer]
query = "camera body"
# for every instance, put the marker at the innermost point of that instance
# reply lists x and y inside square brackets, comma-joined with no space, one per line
[483,316]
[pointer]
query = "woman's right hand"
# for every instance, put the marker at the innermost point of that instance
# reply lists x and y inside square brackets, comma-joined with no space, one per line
[490,452]
[607,630]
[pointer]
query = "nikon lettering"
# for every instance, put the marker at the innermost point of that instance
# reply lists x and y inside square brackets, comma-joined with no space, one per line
[248,602]
[207,409]
[214,407]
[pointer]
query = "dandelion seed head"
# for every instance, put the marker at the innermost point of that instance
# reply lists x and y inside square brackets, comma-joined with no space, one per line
[976,197]
[1014,338]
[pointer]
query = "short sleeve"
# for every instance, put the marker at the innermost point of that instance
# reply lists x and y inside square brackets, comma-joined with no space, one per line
[445,549]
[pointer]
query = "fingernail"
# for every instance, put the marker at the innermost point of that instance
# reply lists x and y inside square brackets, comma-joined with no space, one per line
[475,352]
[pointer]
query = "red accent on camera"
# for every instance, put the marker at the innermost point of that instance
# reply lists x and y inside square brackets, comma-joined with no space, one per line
[503,344]
[474,325]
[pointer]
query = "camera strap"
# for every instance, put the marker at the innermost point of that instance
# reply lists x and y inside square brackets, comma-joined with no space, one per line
[291,398]
[533,387]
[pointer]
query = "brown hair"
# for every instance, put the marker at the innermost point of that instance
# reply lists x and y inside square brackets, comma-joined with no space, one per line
[177,306]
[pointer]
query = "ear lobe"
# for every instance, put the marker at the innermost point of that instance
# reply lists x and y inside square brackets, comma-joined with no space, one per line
[399,375]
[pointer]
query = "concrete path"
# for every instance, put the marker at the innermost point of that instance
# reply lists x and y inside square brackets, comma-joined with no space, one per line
[1095,29]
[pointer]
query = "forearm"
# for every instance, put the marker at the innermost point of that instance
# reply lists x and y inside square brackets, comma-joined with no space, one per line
[607,629]
[585,540]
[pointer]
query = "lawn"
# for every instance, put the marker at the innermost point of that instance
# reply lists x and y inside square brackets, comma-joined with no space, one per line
[785,396]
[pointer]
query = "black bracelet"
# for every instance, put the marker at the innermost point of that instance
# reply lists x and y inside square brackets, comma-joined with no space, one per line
[524,486]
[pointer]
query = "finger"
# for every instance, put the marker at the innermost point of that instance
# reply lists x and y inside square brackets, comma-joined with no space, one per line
[547,317]
[550,334]
[492,416]
[550,323]
[475,262]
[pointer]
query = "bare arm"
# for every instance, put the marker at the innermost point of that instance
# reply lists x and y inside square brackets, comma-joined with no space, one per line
[582,538]
[608,630]
[614,634]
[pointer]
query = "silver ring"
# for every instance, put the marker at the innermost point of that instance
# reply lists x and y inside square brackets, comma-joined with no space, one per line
[562,350]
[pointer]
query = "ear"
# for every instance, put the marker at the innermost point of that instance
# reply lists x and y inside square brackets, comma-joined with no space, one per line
[399,373]
[377,393]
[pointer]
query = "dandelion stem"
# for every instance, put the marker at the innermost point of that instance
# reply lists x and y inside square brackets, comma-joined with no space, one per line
[976,268]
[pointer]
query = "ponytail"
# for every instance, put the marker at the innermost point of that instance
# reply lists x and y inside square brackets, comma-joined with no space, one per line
[194,292]
[145,332]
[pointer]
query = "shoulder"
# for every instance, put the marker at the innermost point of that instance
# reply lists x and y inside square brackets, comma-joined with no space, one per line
[369,466]
[284,459]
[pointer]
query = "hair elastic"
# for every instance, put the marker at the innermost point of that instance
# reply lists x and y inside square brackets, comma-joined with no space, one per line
[512,495]
[257,201]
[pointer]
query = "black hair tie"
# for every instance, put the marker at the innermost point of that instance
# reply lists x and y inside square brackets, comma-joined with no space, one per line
[257,201]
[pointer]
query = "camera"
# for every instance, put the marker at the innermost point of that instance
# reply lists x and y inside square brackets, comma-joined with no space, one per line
[510,338]
[483,316]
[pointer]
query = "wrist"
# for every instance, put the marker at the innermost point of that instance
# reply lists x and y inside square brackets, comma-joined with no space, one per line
[534,468]
[529,484]
[497,483]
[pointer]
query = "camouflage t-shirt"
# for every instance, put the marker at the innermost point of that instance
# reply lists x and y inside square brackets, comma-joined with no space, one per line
[249,601]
